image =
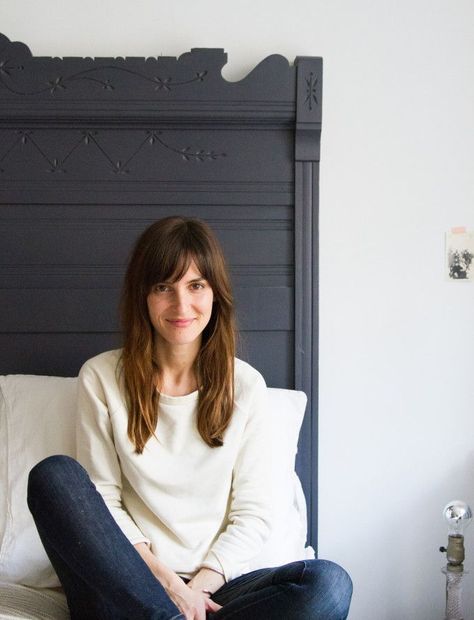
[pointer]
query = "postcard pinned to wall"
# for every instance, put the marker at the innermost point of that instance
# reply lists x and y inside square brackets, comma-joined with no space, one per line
[460,254]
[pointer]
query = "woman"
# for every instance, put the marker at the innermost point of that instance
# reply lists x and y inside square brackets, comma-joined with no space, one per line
[172,430]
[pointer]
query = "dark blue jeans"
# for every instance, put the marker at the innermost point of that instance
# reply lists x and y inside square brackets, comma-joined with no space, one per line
[105,578]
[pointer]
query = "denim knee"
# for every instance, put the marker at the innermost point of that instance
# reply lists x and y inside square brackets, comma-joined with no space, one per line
[51,472]
[327,577]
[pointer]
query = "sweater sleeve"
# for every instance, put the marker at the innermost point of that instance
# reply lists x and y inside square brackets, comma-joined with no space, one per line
[96,450]
[250,514]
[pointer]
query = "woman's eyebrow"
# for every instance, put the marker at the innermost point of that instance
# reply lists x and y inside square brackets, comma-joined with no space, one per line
[170,283]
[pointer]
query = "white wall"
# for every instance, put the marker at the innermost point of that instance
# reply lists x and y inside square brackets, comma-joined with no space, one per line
[396,368]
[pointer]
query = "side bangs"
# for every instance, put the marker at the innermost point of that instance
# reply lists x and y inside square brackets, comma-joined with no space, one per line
[169,266]
[172,266]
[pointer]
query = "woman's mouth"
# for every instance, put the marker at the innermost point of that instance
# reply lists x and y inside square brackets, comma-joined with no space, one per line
[180,322]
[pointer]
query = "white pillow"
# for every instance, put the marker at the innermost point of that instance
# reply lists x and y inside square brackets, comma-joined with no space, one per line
[288,539]
[37,415]
[37,420]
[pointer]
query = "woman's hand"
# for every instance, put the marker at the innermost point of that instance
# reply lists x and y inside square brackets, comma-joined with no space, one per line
[192,603]
[188,598]
[207,579]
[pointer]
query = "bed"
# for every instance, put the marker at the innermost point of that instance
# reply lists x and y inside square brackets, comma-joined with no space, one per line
[92,150]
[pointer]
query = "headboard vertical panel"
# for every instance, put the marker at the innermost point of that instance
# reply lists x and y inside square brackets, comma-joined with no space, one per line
[94,150]
[307,155]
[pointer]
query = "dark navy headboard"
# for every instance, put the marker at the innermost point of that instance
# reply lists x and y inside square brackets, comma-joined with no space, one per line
[94,150]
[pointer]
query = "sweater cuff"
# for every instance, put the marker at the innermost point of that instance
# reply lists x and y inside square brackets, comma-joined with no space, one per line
[140,539]
[228,570]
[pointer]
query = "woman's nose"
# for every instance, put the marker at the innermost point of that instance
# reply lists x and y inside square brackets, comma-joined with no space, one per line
[181,300]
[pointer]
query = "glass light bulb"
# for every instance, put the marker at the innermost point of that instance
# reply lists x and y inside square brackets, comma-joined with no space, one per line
[458,516]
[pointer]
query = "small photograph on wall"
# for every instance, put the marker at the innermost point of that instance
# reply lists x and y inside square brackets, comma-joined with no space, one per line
[460,254]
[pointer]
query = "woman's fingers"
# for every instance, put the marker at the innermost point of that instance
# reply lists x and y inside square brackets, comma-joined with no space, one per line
[193,603]
[212,605]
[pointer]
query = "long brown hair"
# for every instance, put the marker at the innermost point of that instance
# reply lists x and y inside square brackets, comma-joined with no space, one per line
[163,253]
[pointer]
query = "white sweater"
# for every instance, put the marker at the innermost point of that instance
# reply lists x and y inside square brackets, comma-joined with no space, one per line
[197,506]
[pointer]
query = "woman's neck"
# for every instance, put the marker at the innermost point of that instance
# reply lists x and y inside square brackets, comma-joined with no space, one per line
[176,370]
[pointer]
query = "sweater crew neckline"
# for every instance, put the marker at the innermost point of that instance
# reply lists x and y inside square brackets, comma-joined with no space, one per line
[179,400]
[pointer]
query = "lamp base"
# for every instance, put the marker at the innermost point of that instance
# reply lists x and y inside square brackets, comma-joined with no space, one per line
[453,594]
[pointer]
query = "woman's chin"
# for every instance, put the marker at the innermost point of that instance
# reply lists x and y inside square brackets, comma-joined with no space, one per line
[180,339]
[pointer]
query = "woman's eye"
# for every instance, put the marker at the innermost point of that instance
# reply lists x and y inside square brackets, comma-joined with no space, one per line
[160,288]
[197,286]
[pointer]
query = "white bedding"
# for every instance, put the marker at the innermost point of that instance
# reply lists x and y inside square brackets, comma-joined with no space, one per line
[31,603]
[37,420]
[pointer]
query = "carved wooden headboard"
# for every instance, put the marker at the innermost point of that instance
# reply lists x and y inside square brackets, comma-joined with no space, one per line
[94,150]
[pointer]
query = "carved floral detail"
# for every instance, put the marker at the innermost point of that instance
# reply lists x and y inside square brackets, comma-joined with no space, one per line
[56,84]
[168,84]
[92,138]
[186,153]
[311,91]
[6,68]
[60,82]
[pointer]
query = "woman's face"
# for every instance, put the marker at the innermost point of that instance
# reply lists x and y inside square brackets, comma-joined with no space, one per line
[180,311]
